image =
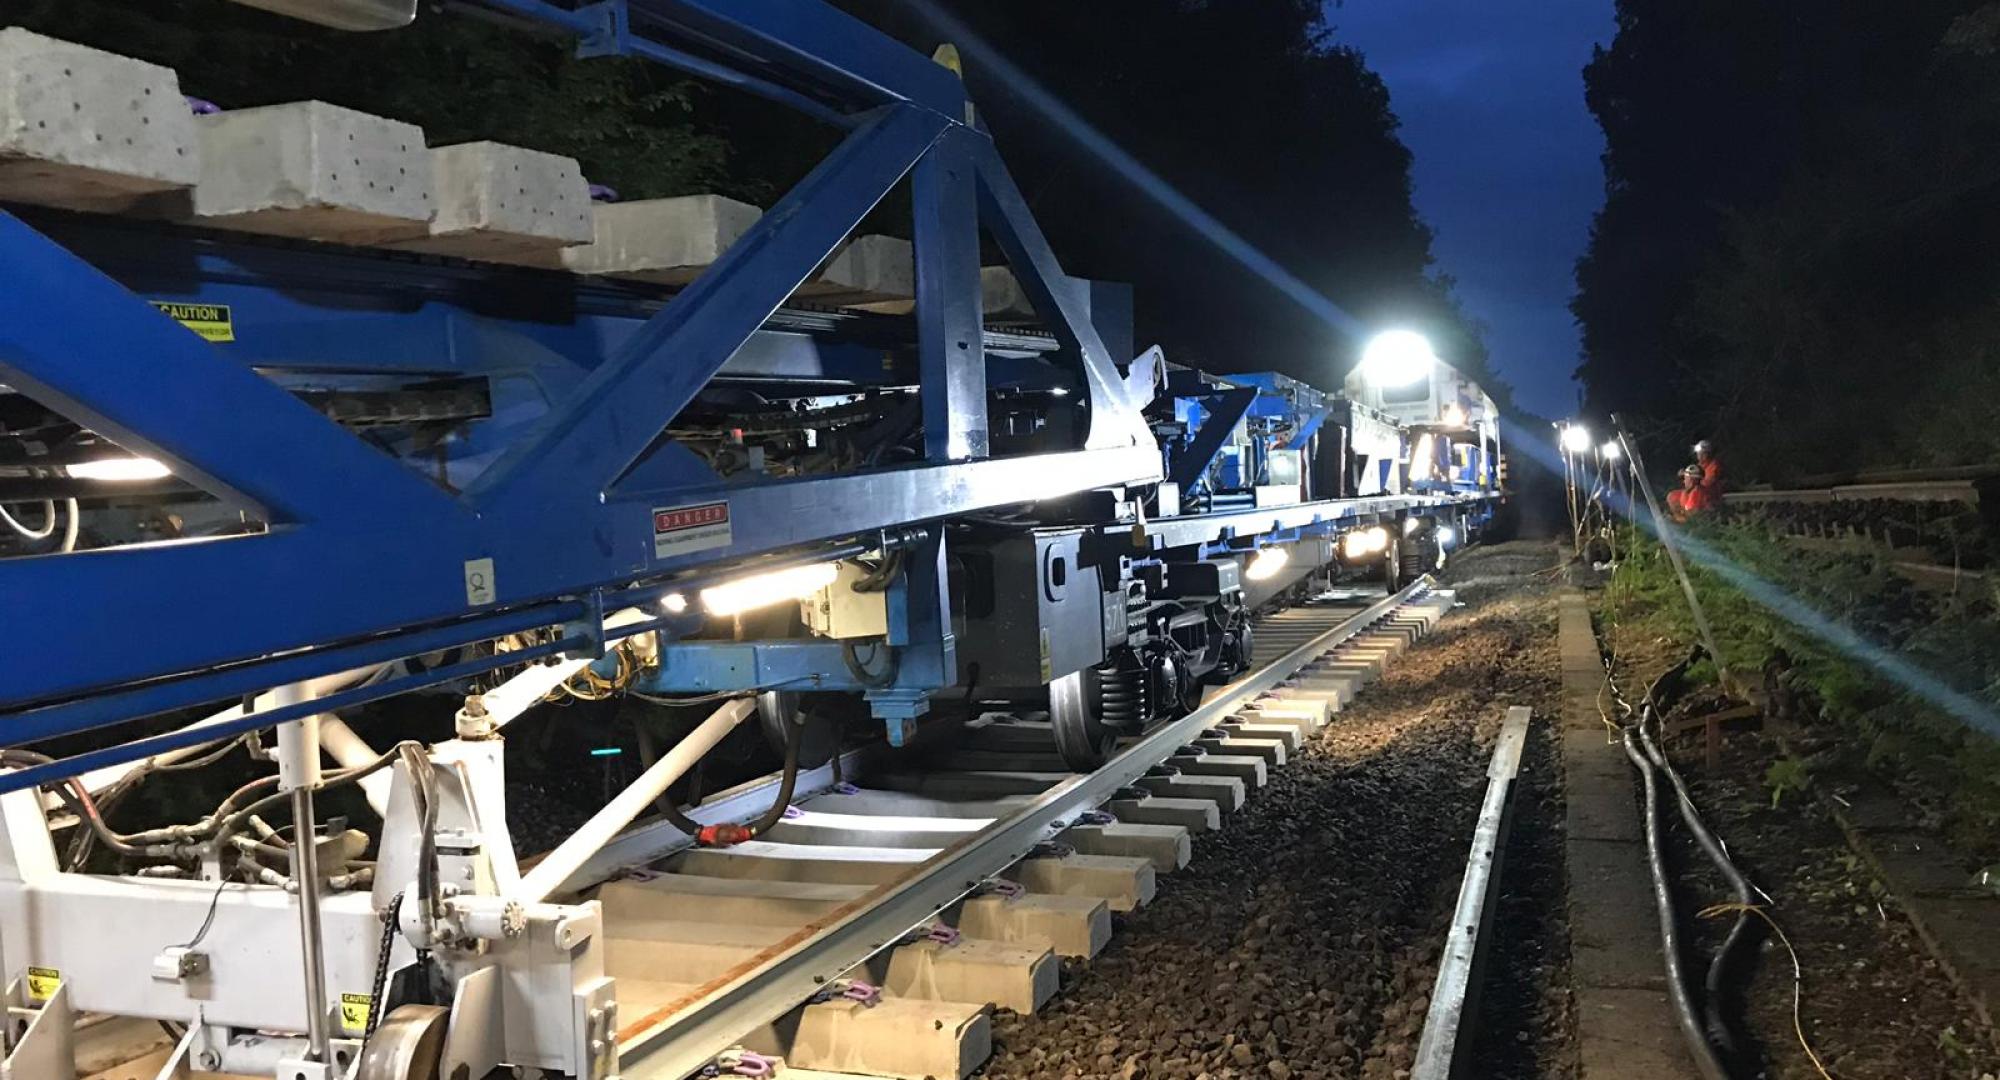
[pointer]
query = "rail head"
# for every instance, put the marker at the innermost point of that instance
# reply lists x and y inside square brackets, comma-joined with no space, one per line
[673,1045]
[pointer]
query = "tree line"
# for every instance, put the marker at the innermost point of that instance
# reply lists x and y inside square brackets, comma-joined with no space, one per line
[1793,257]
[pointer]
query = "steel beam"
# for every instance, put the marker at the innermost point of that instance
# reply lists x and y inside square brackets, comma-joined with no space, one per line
[1225,410]
[112,362]
[595,436]
[949,348]
[1114,418]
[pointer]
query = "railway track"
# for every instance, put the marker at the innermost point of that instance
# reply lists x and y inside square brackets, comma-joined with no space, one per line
[905,897]
[874,928]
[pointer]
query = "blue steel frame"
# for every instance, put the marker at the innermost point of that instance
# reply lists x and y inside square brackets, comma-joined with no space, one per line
[366,558]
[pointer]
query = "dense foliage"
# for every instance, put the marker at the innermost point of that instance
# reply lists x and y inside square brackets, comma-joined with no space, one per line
[1865,721]
[1793,253]
[1247,108]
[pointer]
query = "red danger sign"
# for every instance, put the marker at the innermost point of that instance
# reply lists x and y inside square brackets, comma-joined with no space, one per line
[680,530]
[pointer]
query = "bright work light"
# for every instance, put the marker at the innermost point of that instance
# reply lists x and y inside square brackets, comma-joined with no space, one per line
[763,590]
[1611,450]
[1397,358]
[1267,563]
[119,469]
[1576,439]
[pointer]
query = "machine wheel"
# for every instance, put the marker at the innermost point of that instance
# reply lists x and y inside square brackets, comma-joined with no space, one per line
[817,743]
[407,1045]
[1082,739]
[1238,650]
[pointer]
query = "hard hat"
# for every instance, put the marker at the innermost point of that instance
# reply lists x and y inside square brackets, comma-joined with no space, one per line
[1693,471]
[1704,447]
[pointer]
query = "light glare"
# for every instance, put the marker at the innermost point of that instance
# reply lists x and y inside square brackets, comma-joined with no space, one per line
[1361,543]
[673,603]
[1267,563]
[118,470]
[1611,450]
[1397,358]
[1576,439]
[763,590]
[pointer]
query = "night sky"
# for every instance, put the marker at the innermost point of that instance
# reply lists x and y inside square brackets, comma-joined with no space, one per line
[1491,99]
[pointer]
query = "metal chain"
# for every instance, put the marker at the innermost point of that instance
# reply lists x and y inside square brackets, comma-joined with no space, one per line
[389,919]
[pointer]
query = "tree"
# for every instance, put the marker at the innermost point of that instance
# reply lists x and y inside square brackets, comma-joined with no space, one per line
[631,124]
[1792,252]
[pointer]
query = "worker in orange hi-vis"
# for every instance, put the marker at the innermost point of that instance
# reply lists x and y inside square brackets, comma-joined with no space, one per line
[1711,473]
[1689,497]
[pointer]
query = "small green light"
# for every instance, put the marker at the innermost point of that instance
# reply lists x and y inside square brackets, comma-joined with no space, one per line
[606,751]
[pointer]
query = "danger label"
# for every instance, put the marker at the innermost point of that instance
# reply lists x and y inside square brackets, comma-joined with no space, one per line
[43,983]
[354,1011]
[212,321]
[680,530]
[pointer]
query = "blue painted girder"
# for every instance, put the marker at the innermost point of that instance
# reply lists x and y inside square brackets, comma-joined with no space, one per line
[362,549]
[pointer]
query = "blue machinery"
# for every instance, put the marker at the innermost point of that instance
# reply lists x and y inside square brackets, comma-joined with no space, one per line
[565,489]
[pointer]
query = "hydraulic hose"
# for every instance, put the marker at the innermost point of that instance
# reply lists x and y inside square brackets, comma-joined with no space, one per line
[1692,1031]
[723,835]
[570,855]
[787,781]
[1746,930]
[649,754]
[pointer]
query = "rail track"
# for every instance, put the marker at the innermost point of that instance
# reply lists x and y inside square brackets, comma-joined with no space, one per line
[905,896]
[874,928]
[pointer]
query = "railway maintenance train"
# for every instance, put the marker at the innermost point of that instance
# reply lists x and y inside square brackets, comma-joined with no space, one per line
[300,414]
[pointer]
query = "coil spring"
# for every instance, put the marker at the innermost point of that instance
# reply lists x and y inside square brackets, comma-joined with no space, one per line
[1121,697]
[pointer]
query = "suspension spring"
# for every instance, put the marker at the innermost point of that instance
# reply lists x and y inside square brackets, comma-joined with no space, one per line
[1121,697]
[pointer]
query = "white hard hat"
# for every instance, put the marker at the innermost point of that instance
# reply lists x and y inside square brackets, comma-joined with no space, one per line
[1704,447]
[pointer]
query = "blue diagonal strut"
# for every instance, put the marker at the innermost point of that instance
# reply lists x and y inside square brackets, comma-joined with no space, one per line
[601,430]
[110,361]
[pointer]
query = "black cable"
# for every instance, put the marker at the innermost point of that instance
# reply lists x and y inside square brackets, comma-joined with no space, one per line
[871,679]
[649,755]
[1746,931]
[794,726]
[882,576]
[1692,1030]
[723,695]
[209,921]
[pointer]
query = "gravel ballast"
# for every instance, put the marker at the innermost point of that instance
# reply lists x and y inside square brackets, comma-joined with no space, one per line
[1303,939]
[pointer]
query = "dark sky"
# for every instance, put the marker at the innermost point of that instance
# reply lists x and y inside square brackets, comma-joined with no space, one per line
[1491,98]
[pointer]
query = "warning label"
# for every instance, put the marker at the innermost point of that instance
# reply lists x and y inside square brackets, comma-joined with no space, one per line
[212,321]
[354,1011]
[681,530]
[43,983]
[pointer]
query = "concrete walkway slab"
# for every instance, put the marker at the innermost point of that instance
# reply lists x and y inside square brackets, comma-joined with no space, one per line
[1625,1024]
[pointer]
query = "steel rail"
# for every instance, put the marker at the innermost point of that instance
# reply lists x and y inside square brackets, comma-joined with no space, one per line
[1453,1010]
[680,1043]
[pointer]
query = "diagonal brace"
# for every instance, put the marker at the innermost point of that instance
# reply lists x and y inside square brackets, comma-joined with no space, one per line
[596,435]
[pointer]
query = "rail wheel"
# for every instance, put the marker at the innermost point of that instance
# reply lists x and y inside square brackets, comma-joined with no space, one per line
[407,1045]
[1083,739]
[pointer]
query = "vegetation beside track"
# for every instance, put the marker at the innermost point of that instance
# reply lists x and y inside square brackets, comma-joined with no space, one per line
[1850,718]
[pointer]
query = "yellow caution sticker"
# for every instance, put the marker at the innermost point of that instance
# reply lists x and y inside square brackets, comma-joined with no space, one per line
[212,321]
[354,1011]
[43,983]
